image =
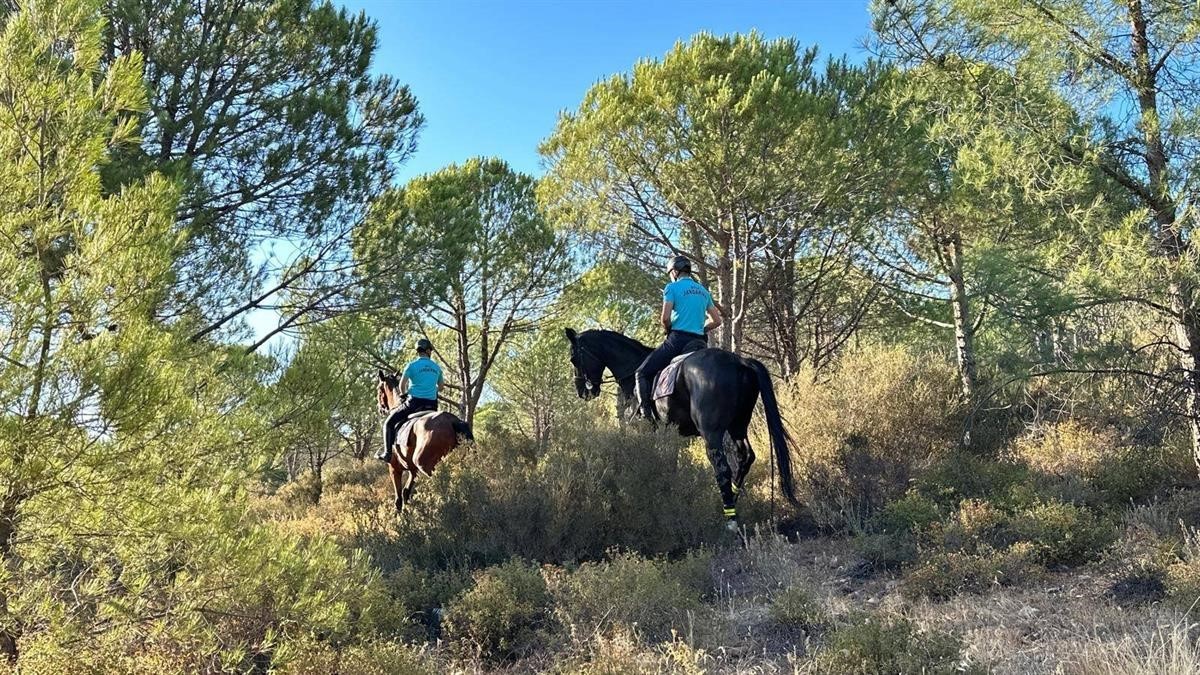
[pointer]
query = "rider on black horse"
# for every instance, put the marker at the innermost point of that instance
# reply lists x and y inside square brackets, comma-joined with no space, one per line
[420,382]
[688,315]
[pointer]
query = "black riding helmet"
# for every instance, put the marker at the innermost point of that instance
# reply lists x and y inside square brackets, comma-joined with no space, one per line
[424,345]
[680,264]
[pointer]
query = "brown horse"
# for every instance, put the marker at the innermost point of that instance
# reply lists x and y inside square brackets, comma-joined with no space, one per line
[418,449]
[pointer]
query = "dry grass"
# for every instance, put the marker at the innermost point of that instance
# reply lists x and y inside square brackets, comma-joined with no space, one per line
[1163,644]
[1058,623]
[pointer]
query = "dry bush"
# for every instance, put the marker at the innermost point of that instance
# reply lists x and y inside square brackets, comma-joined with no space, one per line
[946,574]
[621,652]
[1068,448]
[879,645]
[1099,466]
[863,433]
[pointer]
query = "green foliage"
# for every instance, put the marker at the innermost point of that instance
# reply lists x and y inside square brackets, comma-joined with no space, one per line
[413,601]
[285,147]
[503,615]
[614,295]
[372,657]
[881,552]
[476,254]
[878,646]
[678,153]
[652,597]
[536,388]
[962,475]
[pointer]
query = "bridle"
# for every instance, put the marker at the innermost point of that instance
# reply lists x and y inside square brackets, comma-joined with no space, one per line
[582,378]
[384,388]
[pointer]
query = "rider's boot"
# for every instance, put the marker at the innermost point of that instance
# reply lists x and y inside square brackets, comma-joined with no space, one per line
[645,398]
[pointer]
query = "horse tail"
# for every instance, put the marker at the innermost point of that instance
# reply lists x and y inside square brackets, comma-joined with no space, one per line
[780,440]
[463,429]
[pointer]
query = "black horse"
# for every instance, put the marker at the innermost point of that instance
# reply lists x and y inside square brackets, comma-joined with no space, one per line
[715,393]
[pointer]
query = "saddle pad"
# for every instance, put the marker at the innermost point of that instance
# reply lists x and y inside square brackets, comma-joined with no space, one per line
[664,382]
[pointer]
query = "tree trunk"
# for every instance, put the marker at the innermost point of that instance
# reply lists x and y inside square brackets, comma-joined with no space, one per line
[9,630]
[464,357]
[725,293]
[964,330]
[1171,242]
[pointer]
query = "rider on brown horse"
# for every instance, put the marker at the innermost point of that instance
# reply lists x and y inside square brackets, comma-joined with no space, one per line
[419,383]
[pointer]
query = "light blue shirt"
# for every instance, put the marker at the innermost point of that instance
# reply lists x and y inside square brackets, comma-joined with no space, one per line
[424,376]
[689,304]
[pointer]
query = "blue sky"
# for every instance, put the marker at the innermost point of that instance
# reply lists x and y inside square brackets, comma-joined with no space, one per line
[491,77]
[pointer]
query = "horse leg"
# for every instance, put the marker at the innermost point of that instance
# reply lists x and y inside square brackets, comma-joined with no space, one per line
[739,432]
[410,482]
[399,480]
[745,457]
[714,441]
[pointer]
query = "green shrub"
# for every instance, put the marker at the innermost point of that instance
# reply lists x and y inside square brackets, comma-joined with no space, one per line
[976,524]
[650,596]
[946,574]
[409,606]
[694,571]
[384,658]
[1063,534]
[644,492]
[884,647]
[882,417]
[1139,473]
[963,475]
[883,552]
[368,658]
[911,513]
[795,607]
[504,615]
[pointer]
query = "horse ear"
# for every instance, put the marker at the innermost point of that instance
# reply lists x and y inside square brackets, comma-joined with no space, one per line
[382,377]
[571,334]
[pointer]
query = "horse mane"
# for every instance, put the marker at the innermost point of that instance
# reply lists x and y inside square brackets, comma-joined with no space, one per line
[619,337]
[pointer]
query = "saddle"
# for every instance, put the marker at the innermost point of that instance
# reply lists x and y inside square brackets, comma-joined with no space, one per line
[664,382]
[404,433]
